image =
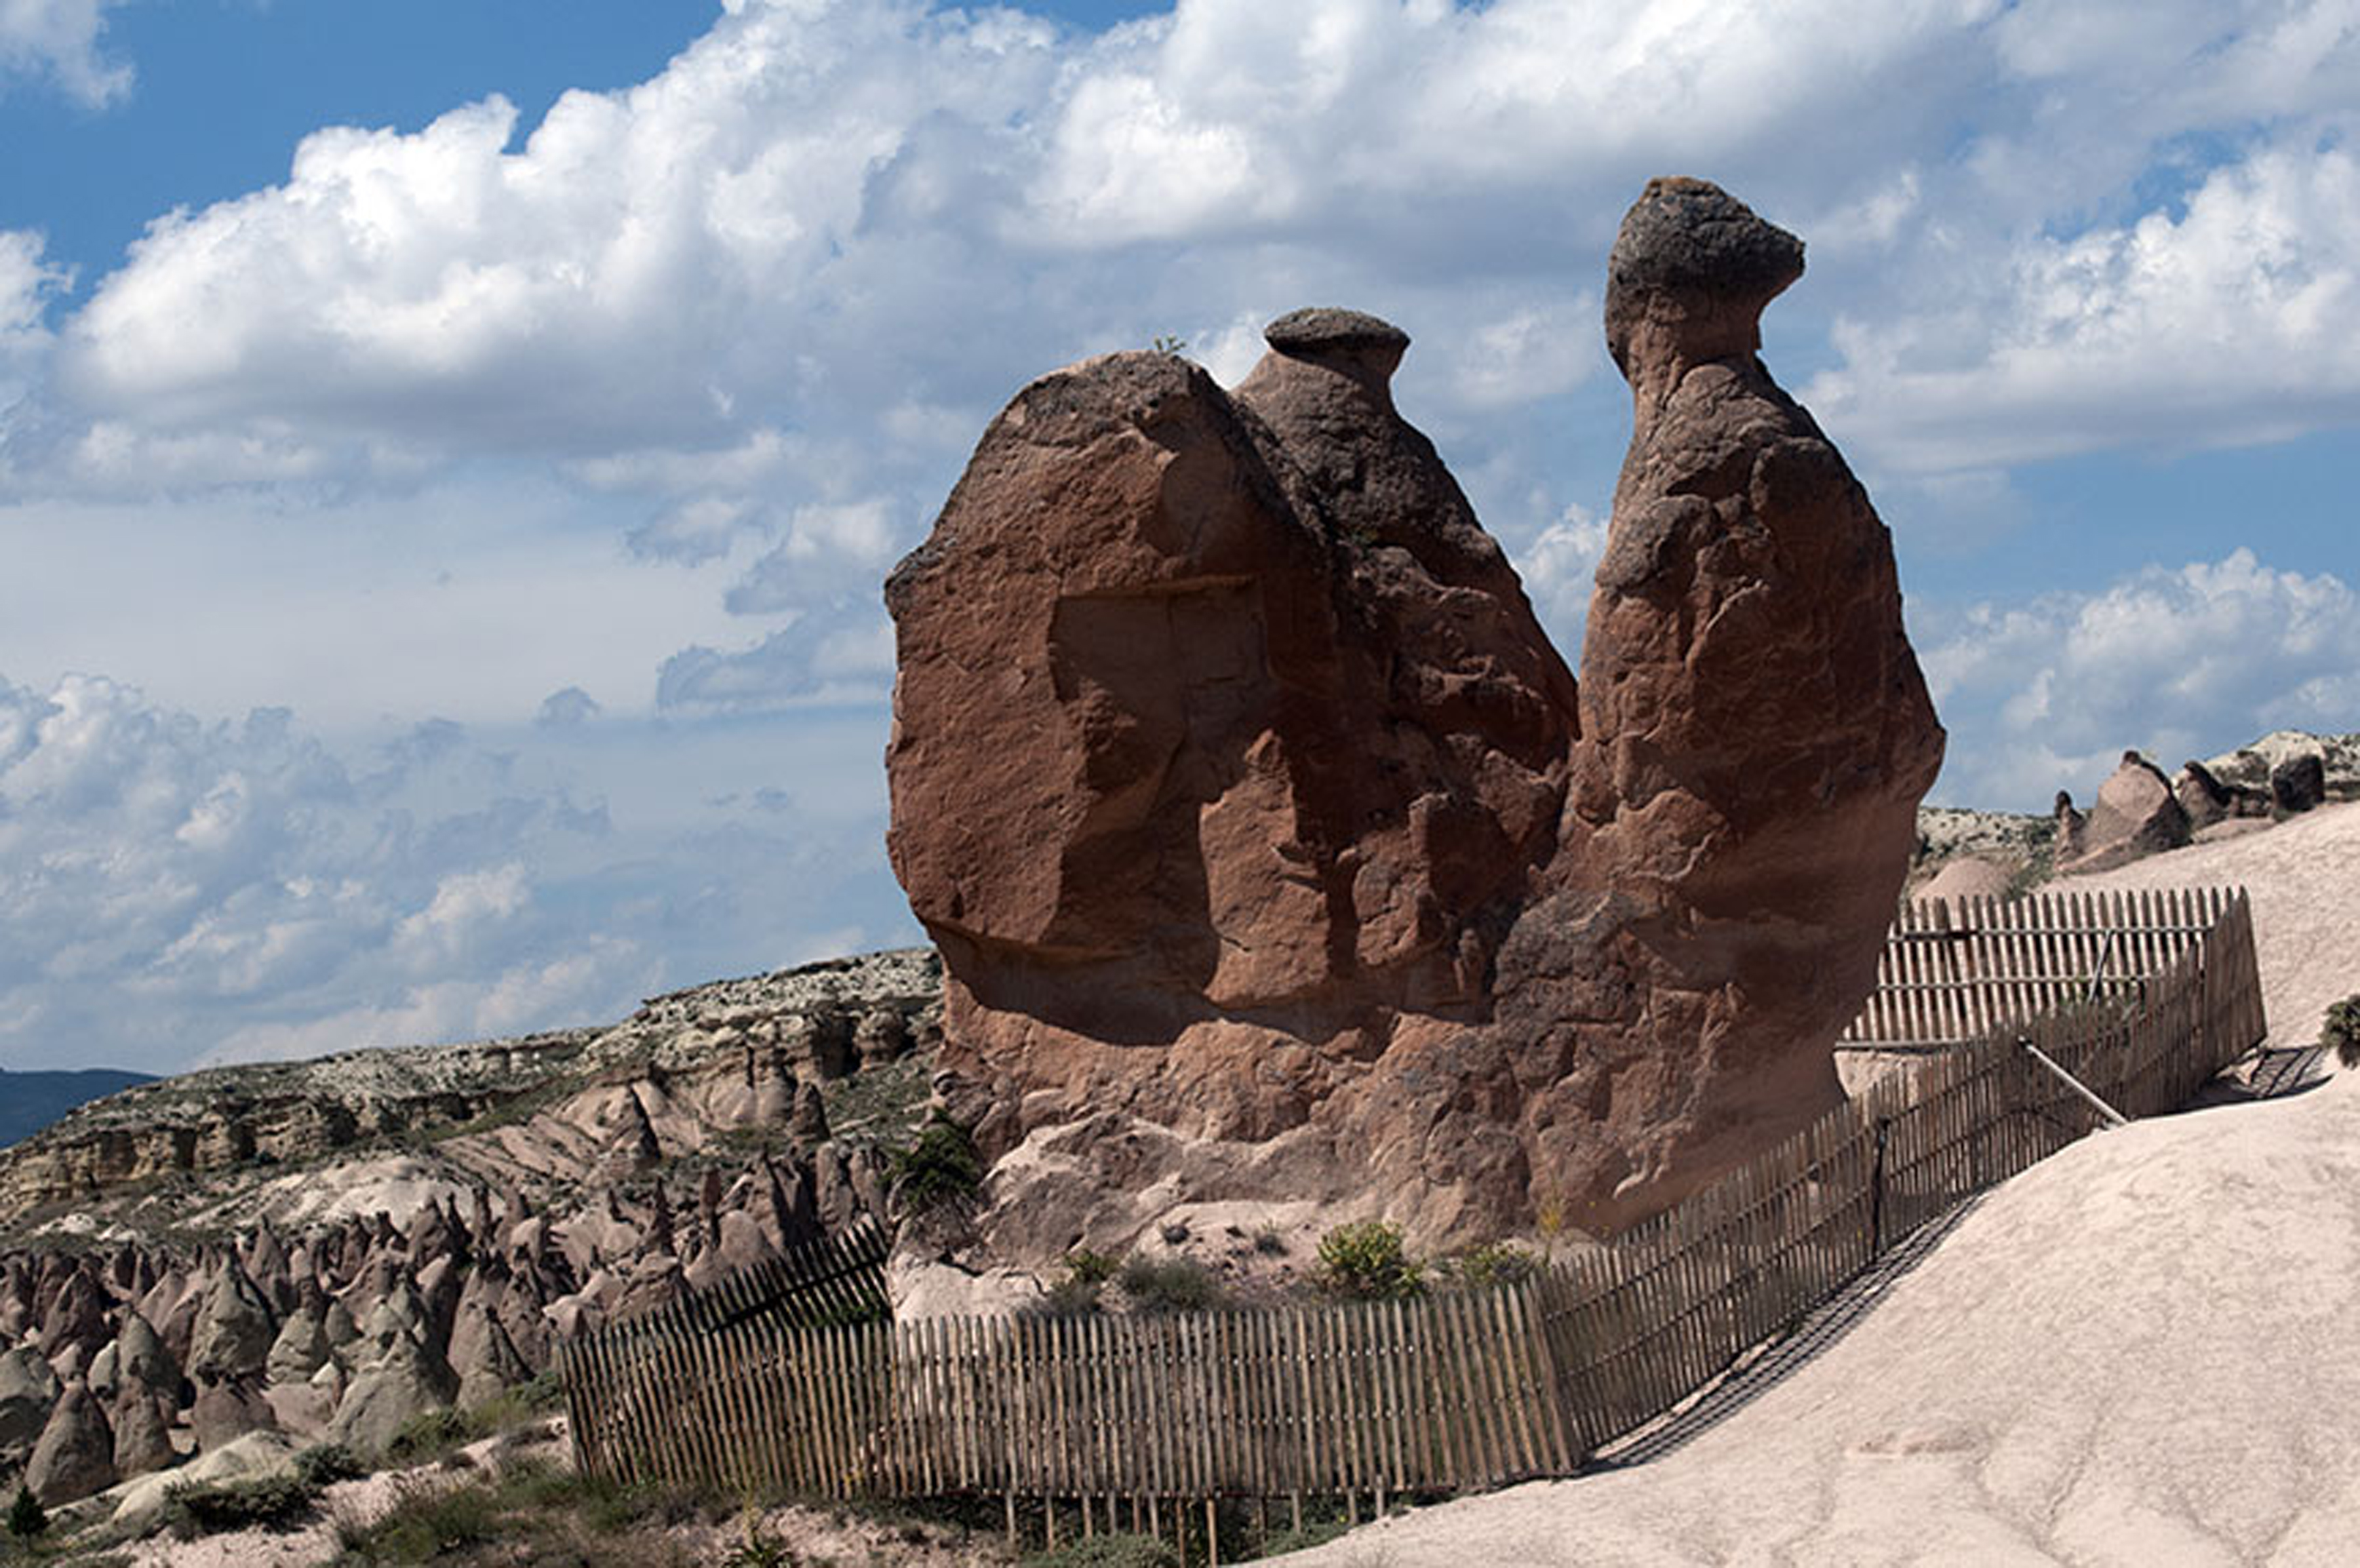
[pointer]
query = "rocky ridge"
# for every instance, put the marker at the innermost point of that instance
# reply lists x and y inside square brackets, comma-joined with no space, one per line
[327,1249]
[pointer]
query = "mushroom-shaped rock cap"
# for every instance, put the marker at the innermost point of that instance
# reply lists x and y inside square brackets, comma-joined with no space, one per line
[1696,266]
[1351,342]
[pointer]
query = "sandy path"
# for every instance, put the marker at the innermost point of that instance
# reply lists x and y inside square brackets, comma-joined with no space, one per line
[2135,1353]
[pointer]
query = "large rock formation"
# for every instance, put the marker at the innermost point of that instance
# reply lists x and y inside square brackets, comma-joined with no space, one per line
[2138,812]
[1255,818]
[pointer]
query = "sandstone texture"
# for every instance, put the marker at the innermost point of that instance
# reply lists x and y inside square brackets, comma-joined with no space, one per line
[1274,851]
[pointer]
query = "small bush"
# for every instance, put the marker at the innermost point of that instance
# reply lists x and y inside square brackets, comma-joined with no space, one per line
[426,1522]
[518,1406]
[1076,1295]
[1501,1263]
[757,1548]
[328,1463]
[1314,1534]
[27,1517]
[2340,1030]
[1108,1552]
[429,1434]
[942,1165]
[1169,1285]
[261,1502]
[1365,1263]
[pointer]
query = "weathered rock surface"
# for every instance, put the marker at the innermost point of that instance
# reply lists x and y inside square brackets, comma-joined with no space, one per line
[75,1455]
[28,1392]
[1269,845]
[2138,812]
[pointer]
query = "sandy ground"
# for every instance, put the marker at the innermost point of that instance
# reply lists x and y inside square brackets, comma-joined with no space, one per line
[2135,1353]
[2304,875]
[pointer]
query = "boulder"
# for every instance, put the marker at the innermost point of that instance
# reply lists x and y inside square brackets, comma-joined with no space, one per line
[28,1392]
[400,1381]
[1968,877]
[301,1347]
[75,1455]
[142,1432]
[256,1454]
[1273,850]
[226,1409]
[234,1327]
[2137,813]
[2299,783]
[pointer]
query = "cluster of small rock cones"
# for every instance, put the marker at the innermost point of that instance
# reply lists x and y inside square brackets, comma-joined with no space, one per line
[1274,851]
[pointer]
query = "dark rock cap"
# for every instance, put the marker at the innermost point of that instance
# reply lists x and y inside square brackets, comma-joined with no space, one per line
[1362,348]
[1694,257]
[1307,331]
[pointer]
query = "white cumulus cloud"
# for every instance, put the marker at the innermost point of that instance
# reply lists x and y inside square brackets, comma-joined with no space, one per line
[2175,662]
[59,41]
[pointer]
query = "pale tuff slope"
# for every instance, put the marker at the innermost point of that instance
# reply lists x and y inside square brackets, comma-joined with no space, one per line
[2138,1352]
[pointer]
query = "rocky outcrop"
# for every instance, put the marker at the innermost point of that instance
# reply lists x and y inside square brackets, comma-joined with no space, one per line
[28,1392]
[1271,847]
[2137,813]
[75,1455]
[1756,738]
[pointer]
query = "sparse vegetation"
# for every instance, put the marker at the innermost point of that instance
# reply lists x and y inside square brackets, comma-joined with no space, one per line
[941,1166]
[1076,1294]
[2340,1030]
[426,1435]
[1499,1263]
[1166,343]
[1169,1285]
[325,1463]
[1366,1262]
[530,1512]
[259,1502]
[1108,1552]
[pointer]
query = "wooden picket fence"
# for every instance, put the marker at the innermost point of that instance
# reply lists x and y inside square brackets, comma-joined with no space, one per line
[1954,970]
[1457,1390]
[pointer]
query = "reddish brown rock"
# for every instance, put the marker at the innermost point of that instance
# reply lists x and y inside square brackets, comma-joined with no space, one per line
[1230,773]
[1756,738]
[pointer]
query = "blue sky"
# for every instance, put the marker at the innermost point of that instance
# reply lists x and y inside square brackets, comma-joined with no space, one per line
[449,450]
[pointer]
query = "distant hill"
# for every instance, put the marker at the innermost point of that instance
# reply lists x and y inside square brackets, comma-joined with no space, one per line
[31,1101]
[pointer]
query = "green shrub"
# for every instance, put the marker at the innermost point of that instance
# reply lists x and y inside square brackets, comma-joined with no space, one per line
[428,1435]
[260,1502]
[1499,1263]
[942,1165]
[27,1517]
[1076,1295]
[2340,1030]
[426,1522]
[1169,1285]
[325,1463]
[1320,1533]
[1365,1263]
[1108,1552]
[757,1548]
[522,1406]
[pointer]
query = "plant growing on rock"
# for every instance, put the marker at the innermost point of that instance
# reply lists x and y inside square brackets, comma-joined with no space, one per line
[940,1167]
[1366,1262]
[2340,1030]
